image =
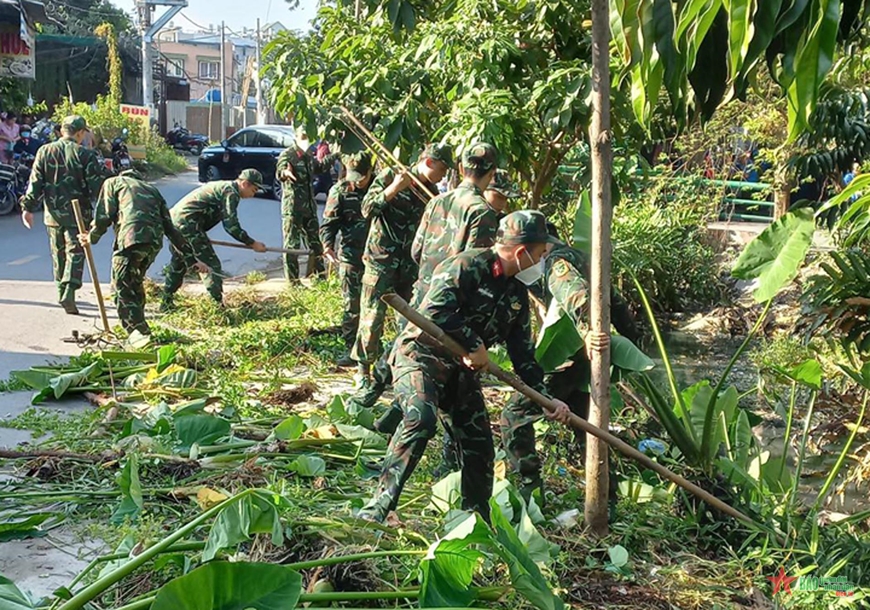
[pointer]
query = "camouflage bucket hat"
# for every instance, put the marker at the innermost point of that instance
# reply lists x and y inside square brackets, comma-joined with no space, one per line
[357,166]
[524,227]
[501,184]
[252,176]
[480,156]
[75,123]
[439,152]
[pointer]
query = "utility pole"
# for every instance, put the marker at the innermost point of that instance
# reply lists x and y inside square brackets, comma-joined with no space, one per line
[147,56]
[148,29]
[261,111]
[223,82]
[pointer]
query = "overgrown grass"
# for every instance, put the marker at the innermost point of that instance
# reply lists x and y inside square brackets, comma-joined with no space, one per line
[679,555]
[659,233]
[162,158]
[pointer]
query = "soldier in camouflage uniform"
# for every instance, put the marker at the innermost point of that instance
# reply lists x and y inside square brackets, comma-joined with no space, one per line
[453,222]
[343,214]
[63,171]
[197,214]
[141,219]
[564,280]
[296,169]
[394,207]
[499,193]
[478,298]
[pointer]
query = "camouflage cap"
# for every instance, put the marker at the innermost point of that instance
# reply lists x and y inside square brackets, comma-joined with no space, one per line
[501,184]
[357,166]
[74,123]
[524,227]
[439,152]
[480,155]
[252,176]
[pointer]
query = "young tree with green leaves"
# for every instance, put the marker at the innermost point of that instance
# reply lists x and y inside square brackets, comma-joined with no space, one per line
[515,74]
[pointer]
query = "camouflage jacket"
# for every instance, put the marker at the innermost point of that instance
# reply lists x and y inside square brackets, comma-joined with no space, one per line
[304,166]
[393,223]
[343,214]
[452,223]
[63,171]
[472,300]
[566,270]
[210,204]
[138,212]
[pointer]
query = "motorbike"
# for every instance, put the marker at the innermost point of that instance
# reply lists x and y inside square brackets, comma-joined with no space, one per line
[181,139]
[8,194]
[23,163]
[120,155]
[44,129]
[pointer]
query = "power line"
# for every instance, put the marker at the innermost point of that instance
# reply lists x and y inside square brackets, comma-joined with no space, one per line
[102,13]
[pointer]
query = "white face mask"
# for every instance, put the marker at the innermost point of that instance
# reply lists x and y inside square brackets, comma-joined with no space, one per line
[530,275]
[303,143]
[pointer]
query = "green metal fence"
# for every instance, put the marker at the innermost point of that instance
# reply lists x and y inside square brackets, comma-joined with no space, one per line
[735,205]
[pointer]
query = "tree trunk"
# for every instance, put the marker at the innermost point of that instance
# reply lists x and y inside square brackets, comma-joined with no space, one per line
[597,475]
[782,186]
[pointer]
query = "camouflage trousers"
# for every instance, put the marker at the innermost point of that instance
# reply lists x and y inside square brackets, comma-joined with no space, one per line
[382,374]
[376,283]
[129,267]
[351,288]
[177,268]
[299,227]
[68,261]
[520,414]
[427,395]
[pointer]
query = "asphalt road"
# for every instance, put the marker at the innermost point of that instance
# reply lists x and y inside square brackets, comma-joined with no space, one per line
[32,325]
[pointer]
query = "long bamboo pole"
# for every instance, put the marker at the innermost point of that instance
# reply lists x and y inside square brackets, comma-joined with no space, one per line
[578,423]
[232,244]
[89,255]
[375,145]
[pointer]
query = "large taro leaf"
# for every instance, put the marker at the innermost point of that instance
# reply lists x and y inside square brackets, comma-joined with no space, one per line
[627,356]
[20,527]
[583,224]
[131,491]
[522,517]
[446,493]
[774,257]
[371,440]
[54,385]
[559,341]
[232,586]
[200,430]
[526,577]
[447,569]
[308,466]
[13,598]
[254,514]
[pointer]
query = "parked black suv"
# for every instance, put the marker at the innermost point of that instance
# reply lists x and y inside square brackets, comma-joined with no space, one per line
[252,147]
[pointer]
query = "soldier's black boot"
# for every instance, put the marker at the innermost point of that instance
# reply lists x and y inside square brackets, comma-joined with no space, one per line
[68,301]
[345,360]
[533,487]
[368,393]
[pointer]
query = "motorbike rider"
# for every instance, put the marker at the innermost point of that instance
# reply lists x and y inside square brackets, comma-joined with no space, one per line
[27,145]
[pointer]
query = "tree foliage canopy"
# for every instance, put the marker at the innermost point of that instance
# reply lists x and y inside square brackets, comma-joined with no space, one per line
[704,52]
[513,73]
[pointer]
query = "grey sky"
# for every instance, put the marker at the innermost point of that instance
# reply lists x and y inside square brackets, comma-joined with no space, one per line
[238,13]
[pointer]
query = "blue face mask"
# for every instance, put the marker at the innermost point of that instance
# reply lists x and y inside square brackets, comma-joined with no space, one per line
[530,275]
